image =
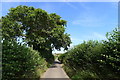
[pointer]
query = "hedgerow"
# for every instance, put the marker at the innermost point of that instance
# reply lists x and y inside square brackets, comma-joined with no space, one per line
[20,62]
[94,59]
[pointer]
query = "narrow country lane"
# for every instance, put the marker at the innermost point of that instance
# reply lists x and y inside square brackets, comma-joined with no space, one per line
[55,72]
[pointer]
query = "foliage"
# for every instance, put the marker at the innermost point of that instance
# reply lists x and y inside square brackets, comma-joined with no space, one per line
[61,57]
[93,59]
[111,56]
[85,75]
[10,29]
[40,30]
[24,27]
[20,62]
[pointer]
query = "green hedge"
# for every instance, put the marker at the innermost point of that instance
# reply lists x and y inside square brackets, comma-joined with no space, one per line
[61,57]
[94,60]
[21,62]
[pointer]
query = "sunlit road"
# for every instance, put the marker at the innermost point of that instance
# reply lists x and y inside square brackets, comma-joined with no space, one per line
[55,72]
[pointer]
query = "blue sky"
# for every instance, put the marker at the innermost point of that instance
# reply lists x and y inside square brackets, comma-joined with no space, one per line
[85,20]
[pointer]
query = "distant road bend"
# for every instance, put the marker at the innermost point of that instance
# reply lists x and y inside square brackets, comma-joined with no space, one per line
[55,72]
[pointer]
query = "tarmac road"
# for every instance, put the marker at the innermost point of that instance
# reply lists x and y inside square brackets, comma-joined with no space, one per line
[55,72]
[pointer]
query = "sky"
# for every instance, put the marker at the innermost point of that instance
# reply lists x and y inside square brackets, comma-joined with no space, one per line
[85,20]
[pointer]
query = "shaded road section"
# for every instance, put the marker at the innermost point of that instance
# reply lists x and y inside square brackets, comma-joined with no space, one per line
[55,72]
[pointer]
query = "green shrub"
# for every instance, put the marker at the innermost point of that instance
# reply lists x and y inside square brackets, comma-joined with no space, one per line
[85,75]
[112,50]
[94,60]
[21,62]
[61,57]
[47,55]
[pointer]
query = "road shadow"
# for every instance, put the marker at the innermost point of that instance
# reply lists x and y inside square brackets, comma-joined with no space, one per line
[54,64]
[57,62]
[55,79]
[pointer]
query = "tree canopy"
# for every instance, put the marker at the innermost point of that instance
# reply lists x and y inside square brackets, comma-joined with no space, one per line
[36,27]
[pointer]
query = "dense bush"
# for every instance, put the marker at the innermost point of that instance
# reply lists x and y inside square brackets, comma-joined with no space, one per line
[111,55]
[61,57]
[21,62]
[93,59]
[47,55]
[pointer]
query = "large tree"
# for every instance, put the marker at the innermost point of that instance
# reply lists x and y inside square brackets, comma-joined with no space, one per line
[37,28]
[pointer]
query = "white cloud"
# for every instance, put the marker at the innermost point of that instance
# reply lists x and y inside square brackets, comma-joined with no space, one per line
[95,36]
[89,18]
[88,21]
[98,36]
[76,39]
[90,36]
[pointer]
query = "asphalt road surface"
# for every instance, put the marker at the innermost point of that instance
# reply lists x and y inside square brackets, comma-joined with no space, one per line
[55,72]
